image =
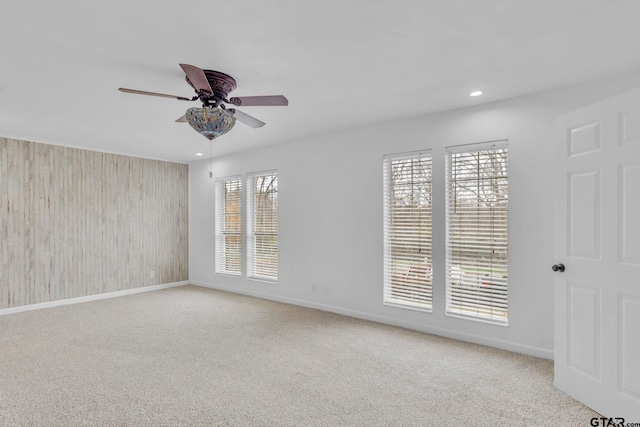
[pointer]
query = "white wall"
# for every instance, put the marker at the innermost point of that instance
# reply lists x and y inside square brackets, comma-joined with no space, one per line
[330,201]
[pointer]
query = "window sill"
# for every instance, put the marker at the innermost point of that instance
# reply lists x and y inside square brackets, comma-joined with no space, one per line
[495,322]
[228,274]
[409,306]
[263,280]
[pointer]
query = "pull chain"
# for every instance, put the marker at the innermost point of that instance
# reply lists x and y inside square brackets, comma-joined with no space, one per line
[210,158]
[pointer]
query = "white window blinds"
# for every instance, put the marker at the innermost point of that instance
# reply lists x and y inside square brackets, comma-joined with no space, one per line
[262,226]
[407,231]
[228,226]
[477,235]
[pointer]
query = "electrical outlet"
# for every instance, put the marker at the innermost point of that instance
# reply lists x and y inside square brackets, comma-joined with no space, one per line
[152,274]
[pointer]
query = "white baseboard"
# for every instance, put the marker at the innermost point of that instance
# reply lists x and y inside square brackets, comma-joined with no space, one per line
[88,298]
[491,342]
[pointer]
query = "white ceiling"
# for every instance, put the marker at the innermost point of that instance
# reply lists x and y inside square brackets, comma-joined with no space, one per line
[341,63]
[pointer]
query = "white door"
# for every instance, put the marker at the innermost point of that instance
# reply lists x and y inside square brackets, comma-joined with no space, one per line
[597,240]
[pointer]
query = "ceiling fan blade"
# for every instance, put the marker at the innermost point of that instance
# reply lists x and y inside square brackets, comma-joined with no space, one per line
[182,119]
[197,77]
[250,101]
[144,92]
[246,119]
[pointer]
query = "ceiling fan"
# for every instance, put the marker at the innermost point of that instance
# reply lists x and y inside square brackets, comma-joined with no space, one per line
[213,119]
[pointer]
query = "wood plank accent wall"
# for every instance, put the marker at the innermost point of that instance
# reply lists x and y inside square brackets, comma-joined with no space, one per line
[77,223]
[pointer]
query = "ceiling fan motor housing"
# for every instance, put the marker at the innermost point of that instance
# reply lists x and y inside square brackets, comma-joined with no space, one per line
[222,84]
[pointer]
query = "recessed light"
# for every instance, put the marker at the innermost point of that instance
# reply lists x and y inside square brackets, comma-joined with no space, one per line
[199,154]
[476,93]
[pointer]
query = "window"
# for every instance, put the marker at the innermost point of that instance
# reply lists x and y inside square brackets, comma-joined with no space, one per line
[477,252]
[262,226]
[228,226]
[407,230]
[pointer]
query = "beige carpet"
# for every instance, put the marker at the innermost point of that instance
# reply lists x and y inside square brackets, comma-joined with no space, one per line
[197,357]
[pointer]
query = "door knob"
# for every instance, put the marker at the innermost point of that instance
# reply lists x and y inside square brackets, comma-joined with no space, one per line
[558,267]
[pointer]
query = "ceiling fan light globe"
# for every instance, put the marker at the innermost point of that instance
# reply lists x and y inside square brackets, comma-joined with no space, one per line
[211,122]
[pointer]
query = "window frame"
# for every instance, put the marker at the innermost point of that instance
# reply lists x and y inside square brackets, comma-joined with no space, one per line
[220,221]
[251,234]
[495,297]
[415,290]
